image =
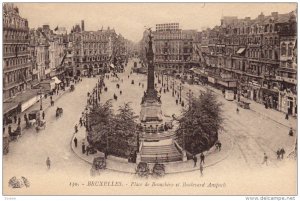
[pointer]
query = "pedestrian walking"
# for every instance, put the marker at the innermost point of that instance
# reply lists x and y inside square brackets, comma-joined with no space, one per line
[291,133]
[83,148]
[15,118]
[43,115]
[237,110]
[121,92]
[75,142]
[219,146]
[202,157]
[278,154]
[76,128]
[19,120]
[265,160]
[195,160]
[287,116]
[80,121]
[282,152]
[50,98]
[48,162]
[87,150]
[201,169]
[25,117]
[176,101]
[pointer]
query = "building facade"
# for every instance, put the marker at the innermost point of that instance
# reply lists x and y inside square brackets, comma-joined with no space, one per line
[255,54]
[16,64]
[173,48]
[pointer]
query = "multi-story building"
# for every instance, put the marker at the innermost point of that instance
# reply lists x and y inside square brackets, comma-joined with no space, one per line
[254,58]
[287,71]
[16,63]
[173,48]
[92,50]
[39,49]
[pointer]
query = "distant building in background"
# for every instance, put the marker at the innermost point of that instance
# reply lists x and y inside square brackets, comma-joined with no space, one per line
[173,47]
[97,51]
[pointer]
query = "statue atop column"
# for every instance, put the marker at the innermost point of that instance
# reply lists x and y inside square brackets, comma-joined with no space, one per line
[151,103]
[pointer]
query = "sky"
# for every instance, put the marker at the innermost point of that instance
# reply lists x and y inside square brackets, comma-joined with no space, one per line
[130,19]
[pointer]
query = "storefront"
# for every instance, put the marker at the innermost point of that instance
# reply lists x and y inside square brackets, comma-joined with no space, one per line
[270,97]
[254,91]
[288,102]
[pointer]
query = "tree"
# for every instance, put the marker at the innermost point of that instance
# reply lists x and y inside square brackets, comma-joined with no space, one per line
[200,123]
[114,133]
[100,120]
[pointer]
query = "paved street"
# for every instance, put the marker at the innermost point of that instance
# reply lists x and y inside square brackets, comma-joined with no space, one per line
[252,135]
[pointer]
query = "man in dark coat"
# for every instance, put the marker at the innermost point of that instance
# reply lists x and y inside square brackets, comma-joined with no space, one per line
[202,157]
[75,141]
[43,115]
[83,148]
[291,133]
[282,152]
[195,160]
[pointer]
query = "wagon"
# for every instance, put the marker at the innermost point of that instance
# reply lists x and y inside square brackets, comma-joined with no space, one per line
[99,163]
[40,125]
[142,169]
[158,170]
[15,134]
[34,117]
[244,104]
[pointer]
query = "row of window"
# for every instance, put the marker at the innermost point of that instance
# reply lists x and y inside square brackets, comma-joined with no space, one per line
[9,49]
[287,49]
[9,62]
[91,52]
[16,76]
[17,21]
[95,45]
[15,35]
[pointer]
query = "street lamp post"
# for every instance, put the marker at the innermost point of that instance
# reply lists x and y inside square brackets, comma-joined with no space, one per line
[41,98]
[173,88]
[180,88]
[167,82]
[162,78]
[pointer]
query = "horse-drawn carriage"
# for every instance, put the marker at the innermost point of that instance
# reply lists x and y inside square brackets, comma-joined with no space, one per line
[33,117]
[244,104]
[99,163]
[142,169]
[158,170]
[59,112]
[14,135]
[41,124]
[72,87]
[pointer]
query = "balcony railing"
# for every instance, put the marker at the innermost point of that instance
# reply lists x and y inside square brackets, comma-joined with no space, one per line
[16,67]
[15,83]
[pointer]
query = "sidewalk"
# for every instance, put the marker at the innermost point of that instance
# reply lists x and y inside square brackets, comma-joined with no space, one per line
[46,105]
[274,115]
[212,156]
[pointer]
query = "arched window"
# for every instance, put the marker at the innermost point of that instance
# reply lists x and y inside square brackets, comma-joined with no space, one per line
[283,49]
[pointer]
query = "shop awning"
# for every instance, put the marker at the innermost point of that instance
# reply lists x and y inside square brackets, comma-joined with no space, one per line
[241,50]
[56,80]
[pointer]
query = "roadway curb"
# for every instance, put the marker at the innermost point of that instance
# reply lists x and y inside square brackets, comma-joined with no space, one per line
[187,170]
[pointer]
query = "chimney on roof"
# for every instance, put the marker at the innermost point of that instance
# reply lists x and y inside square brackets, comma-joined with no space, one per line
[82,25]
[275,15]
[261,17]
